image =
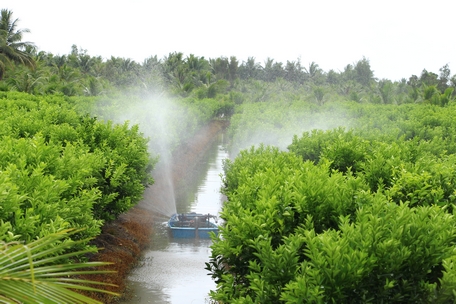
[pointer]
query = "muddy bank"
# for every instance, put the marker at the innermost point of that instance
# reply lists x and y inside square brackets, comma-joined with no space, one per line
[124,239]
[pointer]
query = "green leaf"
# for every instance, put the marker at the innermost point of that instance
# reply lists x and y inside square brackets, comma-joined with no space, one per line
[35,272]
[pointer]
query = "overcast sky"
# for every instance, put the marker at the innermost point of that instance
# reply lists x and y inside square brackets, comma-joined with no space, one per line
[399,38]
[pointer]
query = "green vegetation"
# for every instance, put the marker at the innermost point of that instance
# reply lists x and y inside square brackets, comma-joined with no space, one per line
[61,169]
[359,215]
[12,49]
[360,208]
[45,280]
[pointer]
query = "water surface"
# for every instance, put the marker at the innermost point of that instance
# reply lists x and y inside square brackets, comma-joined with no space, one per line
[172,270]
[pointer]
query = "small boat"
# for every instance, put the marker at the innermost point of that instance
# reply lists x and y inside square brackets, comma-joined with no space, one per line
[192,225]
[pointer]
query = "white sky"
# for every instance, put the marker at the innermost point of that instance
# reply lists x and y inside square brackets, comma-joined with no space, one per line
[398,37]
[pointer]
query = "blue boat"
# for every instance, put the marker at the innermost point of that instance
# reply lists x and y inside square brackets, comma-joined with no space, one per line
[192,225]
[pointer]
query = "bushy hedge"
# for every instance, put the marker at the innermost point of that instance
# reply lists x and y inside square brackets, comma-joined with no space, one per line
[361,215]
[61,168]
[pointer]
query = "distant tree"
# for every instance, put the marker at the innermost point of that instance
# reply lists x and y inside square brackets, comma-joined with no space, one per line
[402,88]
[195,63]
[453,81]
[349,73]
[233,68]
[312,70]
[250,69]
[123,72]
[93,87]
[196,69]
[25,80]
[444,78]
[363,73]
[59,61]
[272,70]
[294,71]
[314,74]
[319,93]
[332,77]
[386,91]
[151,63]
[220,67]
[81,60]
[151,72]
[429,78]
[12,49]
[174,61]
[413,81]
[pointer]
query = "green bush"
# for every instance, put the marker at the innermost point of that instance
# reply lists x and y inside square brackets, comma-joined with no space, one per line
[355,216]
[389,254]
[63,169]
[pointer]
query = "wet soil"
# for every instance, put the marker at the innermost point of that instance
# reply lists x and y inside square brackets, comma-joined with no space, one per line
[123,240]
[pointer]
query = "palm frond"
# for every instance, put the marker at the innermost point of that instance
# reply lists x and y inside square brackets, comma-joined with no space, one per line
[39,272]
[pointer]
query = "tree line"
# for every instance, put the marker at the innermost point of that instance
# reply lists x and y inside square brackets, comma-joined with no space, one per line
[24,68]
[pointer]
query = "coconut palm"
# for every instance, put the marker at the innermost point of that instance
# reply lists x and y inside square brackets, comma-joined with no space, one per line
[250,69]
[312,70]
[12,49]
[272,70]
[38,272]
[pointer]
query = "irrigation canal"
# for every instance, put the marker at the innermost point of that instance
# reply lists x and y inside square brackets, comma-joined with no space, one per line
[172,270]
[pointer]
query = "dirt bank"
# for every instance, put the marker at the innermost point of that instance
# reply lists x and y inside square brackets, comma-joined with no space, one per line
[122,241]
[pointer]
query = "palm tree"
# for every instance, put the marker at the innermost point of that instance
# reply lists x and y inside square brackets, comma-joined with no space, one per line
[38,272]
[294,71]
[272,70]
[313,69]
[250,69]
[12,49]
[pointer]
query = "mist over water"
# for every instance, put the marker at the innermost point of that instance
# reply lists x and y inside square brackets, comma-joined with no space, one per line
[163,121]
[173,269]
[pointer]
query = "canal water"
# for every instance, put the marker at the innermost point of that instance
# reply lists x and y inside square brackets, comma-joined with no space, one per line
[172,270]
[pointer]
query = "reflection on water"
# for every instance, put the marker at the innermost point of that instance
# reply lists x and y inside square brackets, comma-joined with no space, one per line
[172,270]
[201,192]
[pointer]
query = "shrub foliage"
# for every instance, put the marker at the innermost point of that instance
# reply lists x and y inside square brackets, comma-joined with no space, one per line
[60,168]
[359,215]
